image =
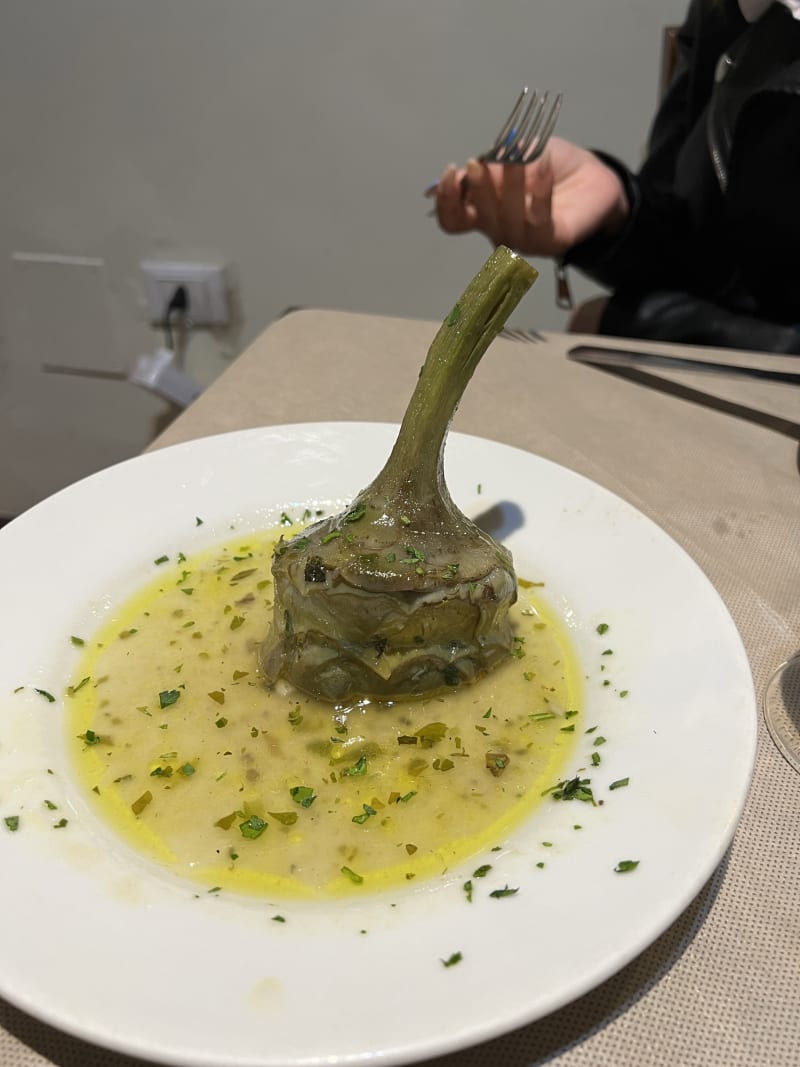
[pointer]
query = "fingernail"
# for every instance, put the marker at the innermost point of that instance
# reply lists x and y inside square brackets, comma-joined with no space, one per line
[474,172]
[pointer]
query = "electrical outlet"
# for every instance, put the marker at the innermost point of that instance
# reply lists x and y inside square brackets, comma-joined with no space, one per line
[205,285]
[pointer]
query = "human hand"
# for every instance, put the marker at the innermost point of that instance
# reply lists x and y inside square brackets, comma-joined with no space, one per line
[541,208]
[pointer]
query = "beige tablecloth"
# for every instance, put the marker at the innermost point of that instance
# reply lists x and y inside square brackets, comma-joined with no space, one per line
[715,462]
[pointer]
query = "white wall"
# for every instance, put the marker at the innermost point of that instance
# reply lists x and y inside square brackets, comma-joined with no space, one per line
[292,140]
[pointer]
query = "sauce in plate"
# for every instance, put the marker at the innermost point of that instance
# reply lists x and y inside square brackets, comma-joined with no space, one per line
[195,762]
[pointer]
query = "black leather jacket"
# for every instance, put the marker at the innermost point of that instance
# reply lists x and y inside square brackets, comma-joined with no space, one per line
[711,252]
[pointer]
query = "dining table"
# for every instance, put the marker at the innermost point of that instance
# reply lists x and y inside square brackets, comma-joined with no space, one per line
[714,460]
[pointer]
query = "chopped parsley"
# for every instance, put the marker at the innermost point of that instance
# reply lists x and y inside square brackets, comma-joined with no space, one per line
[351,874]
[365,814]
[358,768]
[303,795]
[253,827]
[286,818]
[626,865]
[574,789]
[453,959]
[355,513]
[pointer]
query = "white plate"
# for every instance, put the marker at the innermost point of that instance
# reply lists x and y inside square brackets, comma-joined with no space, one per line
[100,943]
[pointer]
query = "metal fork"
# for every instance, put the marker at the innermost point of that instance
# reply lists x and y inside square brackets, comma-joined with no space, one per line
[529,335]
[525,133]
[527,129]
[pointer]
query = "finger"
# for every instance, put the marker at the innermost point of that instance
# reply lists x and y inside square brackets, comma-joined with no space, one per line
[511,205]
[539,206]
[480,195]
[454,215]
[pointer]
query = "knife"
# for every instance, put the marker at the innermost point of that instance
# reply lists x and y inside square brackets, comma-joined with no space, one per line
[623,357]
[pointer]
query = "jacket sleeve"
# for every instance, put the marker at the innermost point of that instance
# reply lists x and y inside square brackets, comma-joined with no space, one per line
[653,243]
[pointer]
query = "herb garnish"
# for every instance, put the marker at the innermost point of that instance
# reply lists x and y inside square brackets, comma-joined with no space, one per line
[303,795]
[253,827]
[358,768]
[355,513]
[626,865]
[451,960]
[362,818]
[286,818]
[356,878]
[574,789]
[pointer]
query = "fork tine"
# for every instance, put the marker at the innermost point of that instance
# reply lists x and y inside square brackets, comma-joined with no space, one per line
[529,335]
[501,142]
[527,128]
[539,142]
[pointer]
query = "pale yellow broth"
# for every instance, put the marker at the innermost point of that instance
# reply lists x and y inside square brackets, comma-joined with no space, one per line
[263,791]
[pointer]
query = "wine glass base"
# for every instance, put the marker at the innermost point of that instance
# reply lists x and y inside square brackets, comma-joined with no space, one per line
[782,709]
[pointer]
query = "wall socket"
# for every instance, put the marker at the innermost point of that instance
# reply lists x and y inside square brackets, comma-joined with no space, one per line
[205,284]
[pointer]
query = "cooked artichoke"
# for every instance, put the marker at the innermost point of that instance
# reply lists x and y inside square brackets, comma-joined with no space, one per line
[401,595]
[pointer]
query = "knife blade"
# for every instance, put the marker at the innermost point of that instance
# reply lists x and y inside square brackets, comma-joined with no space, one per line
[623,357]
